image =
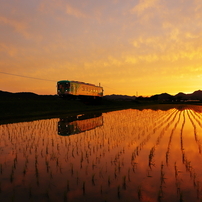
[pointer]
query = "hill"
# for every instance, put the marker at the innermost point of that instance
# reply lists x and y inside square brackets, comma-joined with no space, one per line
[163,97]
[119,97]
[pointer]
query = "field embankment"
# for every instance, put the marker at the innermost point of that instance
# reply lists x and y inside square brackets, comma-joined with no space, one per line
[16,107]
[24,106]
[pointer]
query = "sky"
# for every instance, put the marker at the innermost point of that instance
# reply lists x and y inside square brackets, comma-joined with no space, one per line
[130,47]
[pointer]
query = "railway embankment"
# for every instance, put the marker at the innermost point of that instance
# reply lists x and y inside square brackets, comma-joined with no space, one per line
[16,107]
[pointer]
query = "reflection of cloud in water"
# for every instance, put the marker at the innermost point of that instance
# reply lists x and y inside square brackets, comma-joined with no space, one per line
[148,155]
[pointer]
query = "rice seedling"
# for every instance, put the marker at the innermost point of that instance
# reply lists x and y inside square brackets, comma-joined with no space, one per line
[13,195]
[47,165]
[109,181]
[37,174]
[67,186]
[198,190]
[65,196]
[181,197]
[124,183]
[162,174]
[160,195]
[51,175]
[1,168]
[30,192]
[72,168]
[93,179]
[12,174]
[118,192]
[15,161]
[139,193]
[84,188]
[57,161]
[46,150]
[77,178]
[73,153]
[47,194]
[151,155]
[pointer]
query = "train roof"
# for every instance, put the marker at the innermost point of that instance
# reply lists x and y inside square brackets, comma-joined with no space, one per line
[78,82]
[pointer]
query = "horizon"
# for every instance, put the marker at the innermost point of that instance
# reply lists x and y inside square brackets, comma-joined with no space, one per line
[110,94]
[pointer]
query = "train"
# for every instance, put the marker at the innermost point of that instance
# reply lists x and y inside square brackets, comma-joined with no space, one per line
[77,89]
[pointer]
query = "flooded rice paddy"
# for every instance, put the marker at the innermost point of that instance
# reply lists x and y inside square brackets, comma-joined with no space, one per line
[126,155]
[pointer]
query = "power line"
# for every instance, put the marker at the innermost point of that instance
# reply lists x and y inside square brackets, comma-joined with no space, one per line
[26,76]
[118,90]
[109,87]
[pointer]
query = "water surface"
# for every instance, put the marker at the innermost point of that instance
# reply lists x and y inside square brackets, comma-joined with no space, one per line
[127,155]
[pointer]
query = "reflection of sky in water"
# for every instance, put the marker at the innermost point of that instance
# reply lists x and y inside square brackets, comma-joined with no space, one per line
[134,155]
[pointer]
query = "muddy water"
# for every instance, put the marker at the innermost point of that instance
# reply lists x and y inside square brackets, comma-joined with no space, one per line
[127,155]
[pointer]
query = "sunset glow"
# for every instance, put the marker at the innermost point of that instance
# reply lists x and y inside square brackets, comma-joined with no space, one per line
[130,47]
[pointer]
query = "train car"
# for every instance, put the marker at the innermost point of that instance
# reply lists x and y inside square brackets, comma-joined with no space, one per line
[74,89]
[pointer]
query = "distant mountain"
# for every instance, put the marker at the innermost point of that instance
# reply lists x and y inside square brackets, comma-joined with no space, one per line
[181,96]
[196,95]
[19,94]
[23,95]
[164,97]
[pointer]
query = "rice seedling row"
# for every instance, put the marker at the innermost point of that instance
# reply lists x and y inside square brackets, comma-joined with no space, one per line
[133,156]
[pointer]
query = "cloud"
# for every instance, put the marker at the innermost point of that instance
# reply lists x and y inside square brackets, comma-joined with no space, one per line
[20,27]
[48,6]
[52,6]
[198,7]
[8,49]
[131,59]
[143,5]
[70,10]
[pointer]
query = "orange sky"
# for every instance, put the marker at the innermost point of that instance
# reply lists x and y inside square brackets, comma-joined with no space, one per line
[140,46]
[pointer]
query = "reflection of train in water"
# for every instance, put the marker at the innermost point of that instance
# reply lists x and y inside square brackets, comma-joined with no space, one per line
[78,124]
[75,89]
